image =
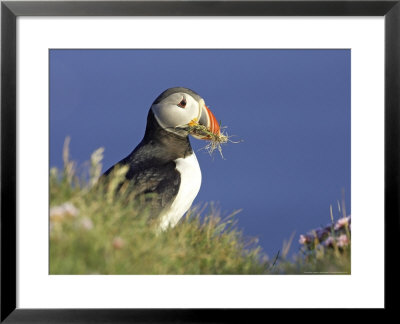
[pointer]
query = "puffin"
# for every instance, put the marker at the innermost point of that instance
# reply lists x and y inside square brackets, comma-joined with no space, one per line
[164,164]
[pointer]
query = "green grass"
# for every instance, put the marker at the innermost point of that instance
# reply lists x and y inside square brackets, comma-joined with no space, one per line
[95,231]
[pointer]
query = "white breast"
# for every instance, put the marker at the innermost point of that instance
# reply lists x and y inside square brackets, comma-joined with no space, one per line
[189,187]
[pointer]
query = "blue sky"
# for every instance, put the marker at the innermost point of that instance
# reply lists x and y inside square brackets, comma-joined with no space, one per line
[290,108]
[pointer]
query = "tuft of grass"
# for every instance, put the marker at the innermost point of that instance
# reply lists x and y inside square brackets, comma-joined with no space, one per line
[322,261]
[215,141]
[93,230]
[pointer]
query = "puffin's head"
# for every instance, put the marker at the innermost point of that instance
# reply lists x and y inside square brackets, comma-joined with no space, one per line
[181,106]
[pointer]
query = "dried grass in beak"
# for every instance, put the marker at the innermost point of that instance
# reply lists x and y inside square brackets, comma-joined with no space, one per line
[215,140]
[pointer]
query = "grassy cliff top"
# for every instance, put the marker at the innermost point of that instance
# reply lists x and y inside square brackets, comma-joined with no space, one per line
[93,230]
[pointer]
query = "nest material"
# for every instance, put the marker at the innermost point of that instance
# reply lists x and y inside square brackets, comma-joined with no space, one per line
[215,140]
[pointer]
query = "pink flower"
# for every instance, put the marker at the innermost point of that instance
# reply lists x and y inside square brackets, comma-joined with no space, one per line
[304,239]
[118,243]
[57,213]
[328,242]
[342,240]
[342,222]
[86,223]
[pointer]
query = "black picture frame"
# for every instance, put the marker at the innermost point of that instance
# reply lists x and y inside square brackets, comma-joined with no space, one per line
[10,10]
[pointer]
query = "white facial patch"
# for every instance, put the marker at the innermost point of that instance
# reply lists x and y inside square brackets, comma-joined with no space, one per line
[170,115]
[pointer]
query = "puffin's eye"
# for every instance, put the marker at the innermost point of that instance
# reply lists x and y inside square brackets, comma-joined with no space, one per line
[182,104]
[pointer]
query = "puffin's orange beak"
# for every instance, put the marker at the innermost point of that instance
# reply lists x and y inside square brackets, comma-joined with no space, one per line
[213,125]
[208,119]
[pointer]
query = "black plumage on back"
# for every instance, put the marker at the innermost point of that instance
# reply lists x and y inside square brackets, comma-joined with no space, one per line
[151,166]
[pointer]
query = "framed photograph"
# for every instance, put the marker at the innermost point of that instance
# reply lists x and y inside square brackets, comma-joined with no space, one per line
[176,160]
